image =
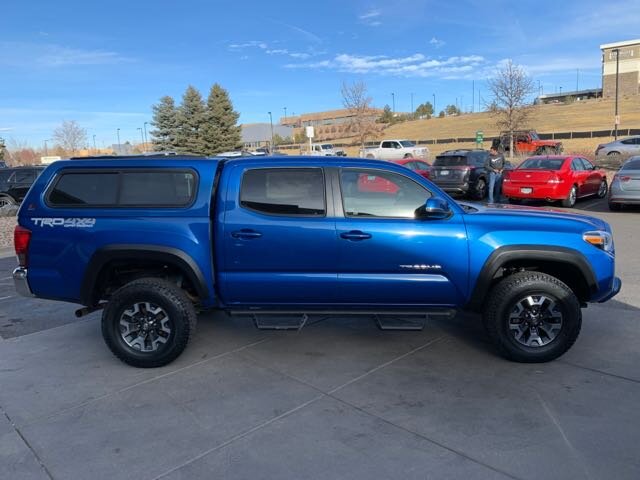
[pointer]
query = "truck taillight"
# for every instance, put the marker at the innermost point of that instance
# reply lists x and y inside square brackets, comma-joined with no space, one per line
[21,239]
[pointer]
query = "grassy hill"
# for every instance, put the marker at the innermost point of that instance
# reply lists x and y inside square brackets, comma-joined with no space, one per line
[578,116]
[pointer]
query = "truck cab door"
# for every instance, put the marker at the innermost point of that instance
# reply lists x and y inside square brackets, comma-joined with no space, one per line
[387,257]
[387,150]
[276,240]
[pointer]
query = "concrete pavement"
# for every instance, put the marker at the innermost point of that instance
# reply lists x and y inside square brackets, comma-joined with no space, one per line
[340,399]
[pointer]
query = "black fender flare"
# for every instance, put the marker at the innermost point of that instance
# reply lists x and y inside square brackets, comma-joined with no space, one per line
[504,255]
[169,255]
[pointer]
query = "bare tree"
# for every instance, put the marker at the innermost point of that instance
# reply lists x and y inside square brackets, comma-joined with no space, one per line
[363,116]
[510,88]
[70,136]
[20,153]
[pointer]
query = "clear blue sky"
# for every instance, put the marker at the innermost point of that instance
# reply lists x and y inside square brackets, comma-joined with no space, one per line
[104,64]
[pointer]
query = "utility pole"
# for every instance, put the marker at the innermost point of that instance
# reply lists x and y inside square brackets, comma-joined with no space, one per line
[434,104]
[479,97]
[285,114]
[617,50]
[412,103]
[95,150]
[141,137]
[577,78]
[146,138]
[118,133]
[271,122]
[393,101]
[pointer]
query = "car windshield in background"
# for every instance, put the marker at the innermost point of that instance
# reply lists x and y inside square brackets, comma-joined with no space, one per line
[633,164]
[327,146]
[534,136]
[450,161]
[406,143]
[542,164]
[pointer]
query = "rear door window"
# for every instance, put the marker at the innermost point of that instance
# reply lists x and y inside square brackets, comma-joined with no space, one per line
[284,191]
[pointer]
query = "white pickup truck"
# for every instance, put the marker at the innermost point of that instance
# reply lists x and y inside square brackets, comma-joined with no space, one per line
[395,150]
[323,150]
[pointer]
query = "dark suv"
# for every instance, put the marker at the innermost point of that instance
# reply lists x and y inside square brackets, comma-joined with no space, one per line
[15,183]
[461,172]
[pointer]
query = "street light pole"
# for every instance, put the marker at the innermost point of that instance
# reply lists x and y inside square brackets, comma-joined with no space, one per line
[271,122]
[434,103]
[393,101]
[118,134]
[146,138]
[617,50]
[285,114]
[95,150]
[46,150]
[412,103]
[141,137]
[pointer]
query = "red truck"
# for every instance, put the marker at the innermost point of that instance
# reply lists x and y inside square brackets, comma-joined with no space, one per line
[527,142]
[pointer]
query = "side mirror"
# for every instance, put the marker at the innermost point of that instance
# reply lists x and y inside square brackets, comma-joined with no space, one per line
[434,209]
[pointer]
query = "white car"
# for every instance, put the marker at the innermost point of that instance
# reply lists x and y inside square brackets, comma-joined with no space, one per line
[395,150]
[321,150]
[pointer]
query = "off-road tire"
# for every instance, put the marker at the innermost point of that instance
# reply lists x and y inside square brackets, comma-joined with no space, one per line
[504,296]
[571,200]
[165,295]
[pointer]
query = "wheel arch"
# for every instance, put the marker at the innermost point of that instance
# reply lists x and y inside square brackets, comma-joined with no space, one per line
[105,259]
[566,264]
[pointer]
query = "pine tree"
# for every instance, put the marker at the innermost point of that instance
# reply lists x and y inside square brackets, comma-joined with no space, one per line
[191,118]
[221,132]
[165,119]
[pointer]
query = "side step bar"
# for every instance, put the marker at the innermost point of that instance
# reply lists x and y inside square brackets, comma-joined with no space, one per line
[385,319]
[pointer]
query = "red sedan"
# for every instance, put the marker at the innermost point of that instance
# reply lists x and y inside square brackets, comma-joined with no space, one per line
[372,183]
[555,178]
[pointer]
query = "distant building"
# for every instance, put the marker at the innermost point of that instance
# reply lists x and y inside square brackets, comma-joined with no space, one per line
[259,134]
[627,55]
[329,124]
[576,95]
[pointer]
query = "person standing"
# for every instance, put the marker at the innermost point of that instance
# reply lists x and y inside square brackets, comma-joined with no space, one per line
[495,165]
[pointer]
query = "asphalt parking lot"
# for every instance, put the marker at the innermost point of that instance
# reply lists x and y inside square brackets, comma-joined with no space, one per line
[339,399]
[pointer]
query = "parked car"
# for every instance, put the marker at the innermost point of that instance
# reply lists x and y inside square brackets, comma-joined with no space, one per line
[15,182]
[462,172]
[624,147]
[555,178]
[395,150]
[527,142]
[625,186]
[151,241]
[377,183]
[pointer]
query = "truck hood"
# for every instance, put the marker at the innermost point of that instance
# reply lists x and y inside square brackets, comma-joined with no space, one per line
[541,213]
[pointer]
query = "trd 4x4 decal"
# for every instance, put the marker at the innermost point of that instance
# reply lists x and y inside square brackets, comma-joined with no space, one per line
[64,222]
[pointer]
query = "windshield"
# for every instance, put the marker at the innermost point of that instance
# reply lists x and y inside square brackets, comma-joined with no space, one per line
[407,143]
[327,146]
[542,164]
[534,136]
[450,161]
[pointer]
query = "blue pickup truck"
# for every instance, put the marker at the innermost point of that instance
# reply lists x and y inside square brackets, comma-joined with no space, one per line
[153,241]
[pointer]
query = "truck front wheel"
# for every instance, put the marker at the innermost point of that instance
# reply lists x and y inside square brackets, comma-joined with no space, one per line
[148,322]
[532,317]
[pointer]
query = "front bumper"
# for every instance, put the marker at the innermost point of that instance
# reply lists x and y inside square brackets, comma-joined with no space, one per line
[616,285]
[21,282]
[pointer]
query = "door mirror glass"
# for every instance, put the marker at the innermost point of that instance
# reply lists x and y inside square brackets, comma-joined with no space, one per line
[434,208]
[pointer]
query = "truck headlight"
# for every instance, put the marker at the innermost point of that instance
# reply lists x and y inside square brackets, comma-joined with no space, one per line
[600,239]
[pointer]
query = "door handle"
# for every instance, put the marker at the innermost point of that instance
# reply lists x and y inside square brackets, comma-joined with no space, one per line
[355,235]
[246,234]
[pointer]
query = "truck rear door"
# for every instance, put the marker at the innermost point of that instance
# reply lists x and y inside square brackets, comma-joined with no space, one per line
[278,236]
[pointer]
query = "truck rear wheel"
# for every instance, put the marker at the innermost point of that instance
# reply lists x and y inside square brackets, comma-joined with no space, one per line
[532,317]
[148,322]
